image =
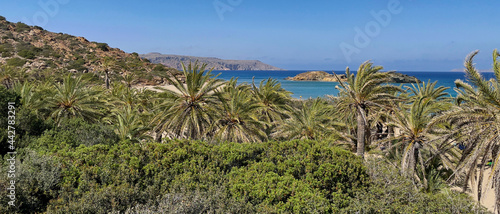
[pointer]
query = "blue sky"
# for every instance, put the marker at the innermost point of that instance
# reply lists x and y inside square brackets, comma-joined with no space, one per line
[296,35]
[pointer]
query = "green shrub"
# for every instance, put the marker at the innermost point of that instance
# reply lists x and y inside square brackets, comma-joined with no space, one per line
[16,62]
[7,54]
[215,200]
[64,37]
[28,54]
[29,126]
[102,46]
[75,132]
[27,50]
[300,176]
[8,35]
[21,27]
[77,64]
[37,182]
[6,50]
[2,18]
[130,176]
[392,193]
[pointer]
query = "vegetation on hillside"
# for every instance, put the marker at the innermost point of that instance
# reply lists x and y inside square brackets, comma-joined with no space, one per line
[43,55]
[91,143]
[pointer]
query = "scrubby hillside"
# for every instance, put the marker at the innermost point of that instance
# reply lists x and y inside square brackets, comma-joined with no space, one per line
[34,49]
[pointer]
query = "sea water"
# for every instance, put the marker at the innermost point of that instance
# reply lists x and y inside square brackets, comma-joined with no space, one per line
[313,89]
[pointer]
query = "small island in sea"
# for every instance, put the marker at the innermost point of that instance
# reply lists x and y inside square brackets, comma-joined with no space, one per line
[323,76]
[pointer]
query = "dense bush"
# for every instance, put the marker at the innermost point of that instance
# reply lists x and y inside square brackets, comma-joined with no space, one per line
[37,182]
[77,64]
[392,193]
[6,50]
[27,50]
[300,177]
[73,133]
[102,178]
[16,62]
[102,46]
[21,27]
[215,200]
[27,54]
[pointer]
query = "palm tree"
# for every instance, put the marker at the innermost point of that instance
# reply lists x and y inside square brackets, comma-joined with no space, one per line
[362,95]
[187,111]
[29,98]
[476,125]
[73,99]
[128,124]
[274,101]
[237,118]
[10,75]
[108,64]
[416,136]
[314,120]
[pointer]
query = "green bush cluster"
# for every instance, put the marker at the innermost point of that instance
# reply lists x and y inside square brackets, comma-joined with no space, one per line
[84,169]
[8,35]
[28,51]
[16,62]
[390,192]
[77,64]
[102,46]
[21,27]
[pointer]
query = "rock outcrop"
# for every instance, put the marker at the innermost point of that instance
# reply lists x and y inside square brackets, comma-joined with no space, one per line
[403,78]
[326,77]
[317,76]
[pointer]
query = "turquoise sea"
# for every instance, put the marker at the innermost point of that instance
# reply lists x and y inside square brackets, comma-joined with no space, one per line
[306,89]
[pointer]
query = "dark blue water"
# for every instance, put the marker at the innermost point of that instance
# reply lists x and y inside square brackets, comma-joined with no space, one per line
[306,89]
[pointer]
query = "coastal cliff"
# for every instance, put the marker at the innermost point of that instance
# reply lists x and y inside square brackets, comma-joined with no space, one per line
[174,61]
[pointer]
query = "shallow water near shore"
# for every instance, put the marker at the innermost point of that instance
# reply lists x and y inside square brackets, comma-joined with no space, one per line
[307,89]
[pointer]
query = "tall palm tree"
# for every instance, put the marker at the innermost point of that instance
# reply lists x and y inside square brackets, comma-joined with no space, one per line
[30,99]
[274,98]
[476,125]
[413,118]
[275,102]
[237,118]
[73,98]
[108,65]
[9,75]
[314,120]
[362,95]
[128,124]
[187,111]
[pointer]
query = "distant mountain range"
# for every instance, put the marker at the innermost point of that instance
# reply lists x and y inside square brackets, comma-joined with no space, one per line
[174,61]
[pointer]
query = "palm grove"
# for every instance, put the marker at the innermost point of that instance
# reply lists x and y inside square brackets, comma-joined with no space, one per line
[94,145]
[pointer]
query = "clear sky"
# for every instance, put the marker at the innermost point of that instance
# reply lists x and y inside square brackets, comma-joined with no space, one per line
[406,35]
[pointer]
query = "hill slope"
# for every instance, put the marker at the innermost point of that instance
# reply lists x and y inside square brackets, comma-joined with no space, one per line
[174,61]
[32,49]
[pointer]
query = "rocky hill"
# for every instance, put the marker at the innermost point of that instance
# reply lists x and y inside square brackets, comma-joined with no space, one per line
[31,48]
[326,77]
[174,61]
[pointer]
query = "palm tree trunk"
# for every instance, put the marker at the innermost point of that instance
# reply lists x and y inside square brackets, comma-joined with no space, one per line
[158,136]
[107,79]
[360,148]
